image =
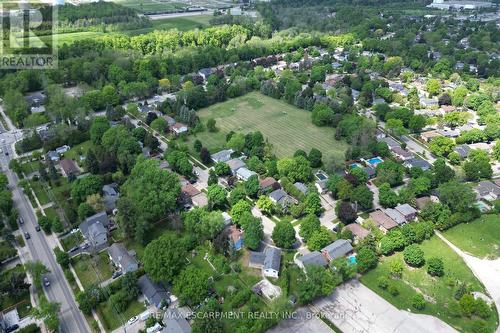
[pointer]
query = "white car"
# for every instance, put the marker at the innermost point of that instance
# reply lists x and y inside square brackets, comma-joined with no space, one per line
[133,320]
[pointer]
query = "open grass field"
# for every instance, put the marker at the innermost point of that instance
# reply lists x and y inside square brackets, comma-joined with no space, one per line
[87,267]
[438,291]
[40,191]
[147,6]
[481,237]
[286,127]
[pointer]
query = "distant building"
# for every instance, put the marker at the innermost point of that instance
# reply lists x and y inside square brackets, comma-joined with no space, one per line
[383,221]
[244,173]
[110,196]
[234,164]
[63,149]
[95,229]
[337,249]
[462,150]
[282,198]
[269,261]
[407,211]
[417,162]
[222,156]
[487,190]
[269,184]
[178,128]
[314,258]
[155,293]
[358,231]
[69,167]
[175,322]
[301,187]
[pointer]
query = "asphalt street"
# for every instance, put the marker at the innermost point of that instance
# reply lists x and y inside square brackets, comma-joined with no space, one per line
[72,320]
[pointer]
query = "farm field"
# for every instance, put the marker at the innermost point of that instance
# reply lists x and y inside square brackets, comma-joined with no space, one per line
[438,291]
[147,6]
[481,237]
[287,128]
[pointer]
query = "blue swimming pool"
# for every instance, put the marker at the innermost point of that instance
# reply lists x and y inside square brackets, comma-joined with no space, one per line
[374,161]
[355,165]
[352,259]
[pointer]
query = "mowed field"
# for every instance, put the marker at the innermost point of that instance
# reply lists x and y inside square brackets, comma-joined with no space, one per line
[286,127]
[480,238]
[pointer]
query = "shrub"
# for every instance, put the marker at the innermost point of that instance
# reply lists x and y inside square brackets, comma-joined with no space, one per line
[418,302]
[396,268]
[435,266]
[482,309]
[393,290]
[383,282]
[479,326]
[467,305]
[413,255]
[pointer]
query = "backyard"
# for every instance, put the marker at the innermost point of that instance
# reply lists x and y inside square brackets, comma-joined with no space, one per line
[92,270]
[438,291]
[288,128]
[111,320]
[481,237]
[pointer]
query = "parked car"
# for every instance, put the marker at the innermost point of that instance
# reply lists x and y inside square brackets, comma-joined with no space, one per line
[133,320]
[11,328]
[85,246]
[46,281]
[27,235]
[74,248]
[21,221]
[37,228]
[116,274]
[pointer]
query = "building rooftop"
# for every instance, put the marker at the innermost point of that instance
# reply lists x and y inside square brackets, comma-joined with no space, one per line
[382,219]
[337,249]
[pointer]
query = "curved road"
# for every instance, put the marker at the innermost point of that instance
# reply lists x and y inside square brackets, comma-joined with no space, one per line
[71,319]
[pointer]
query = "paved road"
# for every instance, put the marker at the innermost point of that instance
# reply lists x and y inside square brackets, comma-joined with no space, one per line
[354,308]
[72,320]
[174,15]
[414,147]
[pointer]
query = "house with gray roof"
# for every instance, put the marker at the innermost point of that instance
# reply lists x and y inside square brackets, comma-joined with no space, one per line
[282,198]
[321,186]
[301,187]
[407,211]
[462,150]
[268,261]
[155,293]
[395,216]
[487,190]
[110,196]
[222,156]
[95,229]
[314,258]
[417,162]
[337,249]
[122,259]
[175,322]
[53,156]
[234,164]
[244,173]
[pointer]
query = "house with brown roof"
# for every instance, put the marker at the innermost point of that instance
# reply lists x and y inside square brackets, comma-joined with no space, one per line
[358,231]
[384,222]
[69,167]
[269,184]
[401,153]
[428,136]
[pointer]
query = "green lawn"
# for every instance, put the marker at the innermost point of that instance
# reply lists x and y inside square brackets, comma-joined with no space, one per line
[92,269]
[50,212]
[75,151]
[151,5]
[439,291]
[288,128]
[6,250]
[21,302]
[111,320]
[71,240]
[29,167]
[40,191]
[480,237]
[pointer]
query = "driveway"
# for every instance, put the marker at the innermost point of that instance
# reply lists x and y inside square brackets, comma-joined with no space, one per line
[302,320]
[267,223]
[328,204]
[487,271]
[354,308]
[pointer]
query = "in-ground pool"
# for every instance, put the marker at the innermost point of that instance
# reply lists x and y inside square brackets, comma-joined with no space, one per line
[482,206]
[321,176]
[374,161]
[355,165]
[352,259]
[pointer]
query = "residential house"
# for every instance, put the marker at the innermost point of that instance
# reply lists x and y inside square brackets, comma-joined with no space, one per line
[175,322]
[205,73]
[236,237]
[244,173]
[222,156]
[314,258]
[481,146]
[170,121]
[178,128]
[358,231]
[268,184]
[422,202]
[487,190]
[401,153]
[95,229]
[144,108]
[301,187]
[370,172]
[407,211]
[462,150]
[69,167]
[61,150]
[37,109]
[36,98]
[53,156]
[428,136]
[268,261]
[383,221]
[395,215]
[227,218]
[417,162]
[154,292]
[321,186]
[337,249]
[235,164]
[110,196]
[429,102]
[449,133]
[191,195]
[122,259]
[282,198]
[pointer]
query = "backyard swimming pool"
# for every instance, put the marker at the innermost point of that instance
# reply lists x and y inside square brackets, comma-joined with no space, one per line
[352,259]
[374,161]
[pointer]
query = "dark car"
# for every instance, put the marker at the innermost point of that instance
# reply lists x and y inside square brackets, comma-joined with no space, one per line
[21,221]
[27,235]
[11,328]
[46,281]
[37,228]
[116,274]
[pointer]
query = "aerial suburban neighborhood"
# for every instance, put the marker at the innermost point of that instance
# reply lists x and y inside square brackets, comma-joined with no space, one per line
[250,166]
